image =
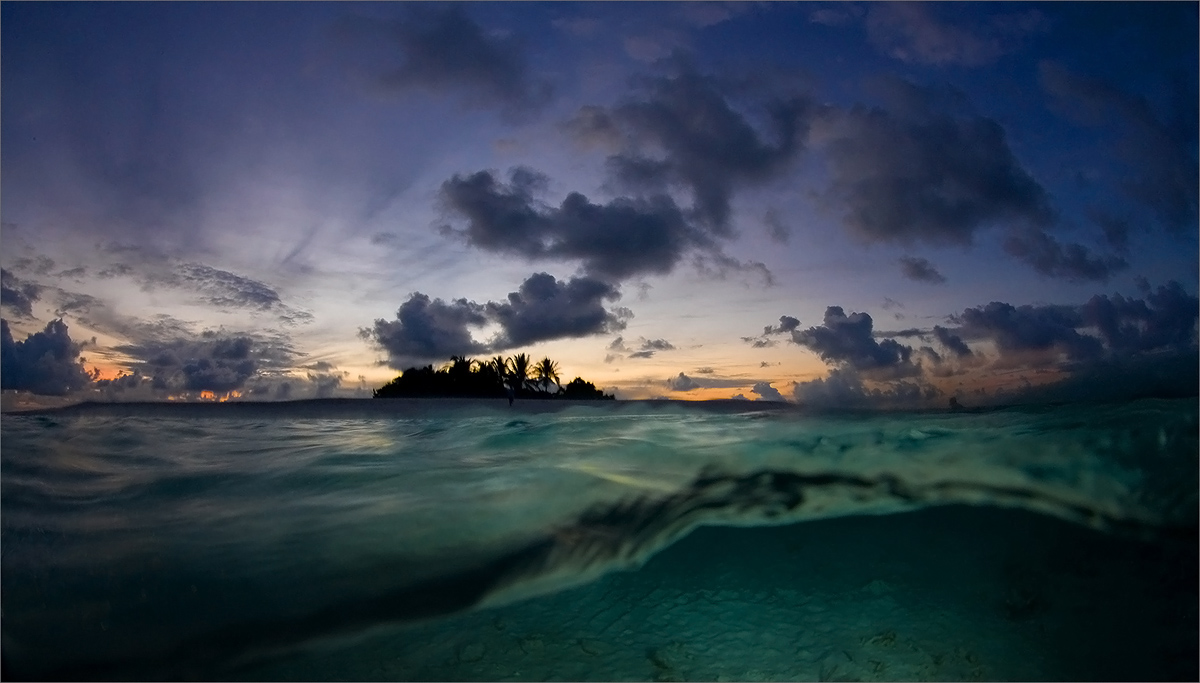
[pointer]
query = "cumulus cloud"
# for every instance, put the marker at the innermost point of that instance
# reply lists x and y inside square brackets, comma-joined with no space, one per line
[787,325]
[1016,329]
[46,362]
[442,49]
[614,241]
[213,360]
[428,329]
[542,309]
[1161,170]
[17,294]
[847,340]
[1164,320]
[766,392]
[682,130]
[844,389]
[920,270]
[913,32]
[924,171]
[682,382]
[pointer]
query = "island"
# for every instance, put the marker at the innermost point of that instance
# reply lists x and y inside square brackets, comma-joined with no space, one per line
[499,377]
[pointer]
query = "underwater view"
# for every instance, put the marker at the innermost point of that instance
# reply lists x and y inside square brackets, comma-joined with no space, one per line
[467,540]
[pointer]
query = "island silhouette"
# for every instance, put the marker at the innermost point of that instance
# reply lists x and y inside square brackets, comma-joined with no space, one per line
[500,377]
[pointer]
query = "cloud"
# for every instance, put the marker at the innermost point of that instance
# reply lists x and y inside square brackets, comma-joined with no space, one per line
[18,294]
[787,324]
[681,129]
[621,239]
[542,309]
[682,382]
[444,49]
[920,270]
[222,288]
[1016,329]
[47,362]
[777,230]
[428,329]
[836,14]
[1164,321]
[651,346]
[951,341]
[847,340]
[766,392]
[1072,262]
[911,32]
[844,389]
[209,286]
[921,173]
[1160,158]
[213,360]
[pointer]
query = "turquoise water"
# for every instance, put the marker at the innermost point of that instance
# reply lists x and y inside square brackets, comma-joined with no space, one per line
[454,540]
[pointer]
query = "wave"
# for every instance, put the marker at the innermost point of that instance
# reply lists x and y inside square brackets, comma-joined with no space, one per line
[1127,469]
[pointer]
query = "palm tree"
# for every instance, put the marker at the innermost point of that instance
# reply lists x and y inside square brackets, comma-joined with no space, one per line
[519,370]
[500,366]
[547,372]
[459,366]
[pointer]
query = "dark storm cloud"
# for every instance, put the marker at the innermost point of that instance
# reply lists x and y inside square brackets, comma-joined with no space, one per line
[705,144]
[442,49]
[920,270]
[1164,321]
[213,360]
[542,309]
[614,241]
[951,341]
[925,171]
[847,340]
[1160,156]
[1016,329]
[914,32]
[1072,262]
[428,329]
[46,362]
[18,294]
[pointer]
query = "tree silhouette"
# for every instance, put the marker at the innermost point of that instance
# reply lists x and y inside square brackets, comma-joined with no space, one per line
[519,371]
[547,372]
[466,378]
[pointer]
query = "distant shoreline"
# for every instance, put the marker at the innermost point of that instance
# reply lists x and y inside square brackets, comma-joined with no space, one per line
[319,407]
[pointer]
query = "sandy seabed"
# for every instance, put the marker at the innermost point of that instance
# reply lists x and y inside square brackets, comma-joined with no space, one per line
[955,593]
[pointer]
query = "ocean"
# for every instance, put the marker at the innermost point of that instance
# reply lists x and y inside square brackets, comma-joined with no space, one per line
[467,540]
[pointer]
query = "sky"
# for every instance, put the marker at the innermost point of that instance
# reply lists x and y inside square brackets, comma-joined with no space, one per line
[837,204]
